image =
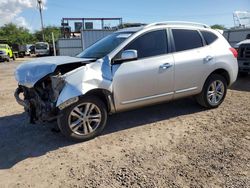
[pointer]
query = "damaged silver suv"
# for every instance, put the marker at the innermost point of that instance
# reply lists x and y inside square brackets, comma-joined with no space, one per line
[130,68]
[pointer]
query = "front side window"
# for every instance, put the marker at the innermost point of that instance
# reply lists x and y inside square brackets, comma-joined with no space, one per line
[2,46]
[186,39]
[150,44]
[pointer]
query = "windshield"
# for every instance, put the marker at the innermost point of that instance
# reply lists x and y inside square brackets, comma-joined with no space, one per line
[2,46]
[105,45]
[40,46]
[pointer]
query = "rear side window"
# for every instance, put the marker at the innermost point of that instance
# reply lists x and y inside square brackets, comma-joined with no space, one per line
[209,37]
[150,44]
[186,39]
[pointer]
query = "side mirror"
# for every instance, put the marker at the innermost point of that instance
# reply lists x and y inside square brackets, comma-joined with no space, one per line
[129,55]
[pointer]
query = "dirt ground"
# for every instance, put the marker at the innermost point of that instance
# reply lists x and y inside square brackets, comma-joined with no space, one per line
[177,144]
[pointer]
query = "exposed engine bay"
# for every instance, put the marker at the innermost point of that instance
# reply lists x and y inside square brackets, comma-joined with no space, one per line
[40,100]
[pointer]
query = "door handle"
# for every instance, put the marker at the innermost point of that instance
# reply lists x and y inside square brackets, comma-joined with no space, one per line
[208,58]
[165,66]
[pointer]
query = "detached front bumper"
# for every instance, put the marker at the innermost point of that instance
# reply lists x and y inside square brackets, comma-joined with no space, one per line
[20,101]
[37,108]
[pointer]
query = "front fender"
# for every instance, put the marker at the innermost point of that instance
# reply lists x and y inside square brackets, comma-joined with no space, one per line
[83,80]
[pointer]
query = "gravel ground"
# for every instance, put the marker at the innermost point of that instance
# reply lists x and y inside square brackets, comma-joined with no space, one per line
[177,144]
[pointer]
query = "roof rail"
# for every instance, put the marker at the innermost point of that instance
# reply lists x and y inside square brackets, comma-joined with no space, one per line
[178,23]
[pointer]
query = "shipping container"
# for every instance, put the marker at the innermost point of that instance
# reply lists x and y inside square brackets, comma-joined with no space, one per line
[234,36]
[73,46]
[69,46]
[89,37]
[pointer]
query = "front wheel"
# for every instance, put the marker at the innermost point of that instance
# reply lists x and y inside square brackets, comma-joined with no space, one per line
[214,92]
[83,120]
[8,58]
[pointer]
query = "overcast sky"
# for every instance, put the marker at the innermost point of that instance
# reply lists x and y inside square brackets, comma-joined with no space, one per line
[25,12]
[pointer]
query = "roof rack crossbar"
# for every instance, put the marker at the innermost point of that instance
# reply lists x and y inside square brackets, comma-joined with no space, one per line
[178,23]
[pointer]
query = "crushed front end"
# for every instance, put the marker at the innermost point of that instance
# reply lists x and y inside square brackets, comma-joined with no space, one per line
[40,101]
[40,83]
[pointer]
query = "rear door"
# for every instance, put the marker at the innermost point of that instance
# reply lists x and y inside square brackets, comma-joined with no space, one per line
[191,58]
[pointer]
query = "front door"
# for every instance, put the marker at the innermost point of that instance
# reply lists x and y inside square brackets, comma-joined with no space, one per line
[150,78]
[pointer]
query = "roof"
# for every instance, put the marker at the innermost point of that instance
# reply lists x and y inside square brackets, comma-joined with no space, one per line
[178,23]
[167,23]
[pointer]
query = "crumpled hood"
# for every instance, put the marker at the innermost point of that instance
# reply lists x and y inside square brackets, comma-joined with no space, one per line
[29,73]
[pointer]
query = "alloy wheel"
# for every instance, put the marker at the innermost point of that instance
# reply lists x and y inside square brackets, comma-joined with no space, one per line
[216,92]
[84,119]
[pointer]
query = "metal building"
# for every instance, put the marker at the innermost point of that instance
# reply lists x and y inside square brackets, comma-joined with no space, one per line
[84,33]
[234,36]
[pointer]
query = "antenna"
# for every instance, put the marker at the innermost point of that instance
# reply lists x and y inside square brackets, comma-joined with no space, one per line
[41,16]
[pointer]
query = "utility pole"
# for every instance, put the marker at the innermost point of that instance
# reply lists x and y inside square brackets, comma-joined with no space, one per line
[41,16]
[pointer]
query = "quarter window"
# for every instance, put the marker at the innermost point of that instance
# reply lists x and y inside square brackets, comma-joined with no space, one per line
[186,39]
[209,37]
[150,44]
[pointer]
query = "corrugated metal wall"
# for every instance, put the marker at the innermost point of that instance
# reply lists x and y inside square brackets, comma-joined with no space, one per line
[69,47]
[235,36]
[73,46]
[92,36]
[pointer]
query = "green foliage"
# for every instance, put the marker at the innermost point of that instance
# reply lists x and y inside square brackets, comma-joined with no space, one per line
[125,25]
[217,26]
[47,34]
[15,35]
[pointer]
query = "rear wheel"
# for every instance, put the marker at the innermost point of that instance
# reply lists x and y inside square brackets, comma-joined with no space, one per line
[13,56]
[83,120]
[213,92]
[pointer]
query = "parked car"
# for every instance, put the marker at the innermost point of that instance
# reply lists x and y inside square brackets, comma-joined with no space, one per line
[32,49]
[19,50]
[28,49]
[42,49]
[6,52]
[128,69]
[243,48]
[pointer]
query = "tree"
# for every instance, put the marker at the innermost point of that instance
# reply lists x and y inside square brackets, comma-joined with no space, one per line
[218,26]
[16,35]
[125,25]
[47,34]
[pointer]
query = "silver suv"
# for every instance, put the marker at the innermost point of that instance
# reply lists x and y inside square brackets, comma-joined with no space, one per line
[128,69]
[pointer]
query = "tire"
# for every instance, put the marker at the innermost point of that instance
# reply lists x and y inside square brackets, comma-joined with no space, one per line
[8,58]
[243,74]
[215,98]
[13,57]
[86,128]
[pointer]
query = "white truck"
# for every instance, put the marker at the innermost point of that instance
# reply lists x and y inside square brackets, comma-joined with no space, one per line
[240,40]
[42,49]
[243,48]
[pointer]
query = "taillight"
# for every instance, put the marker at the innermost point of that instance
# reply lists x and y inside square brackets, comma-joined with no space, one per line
[234,52]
